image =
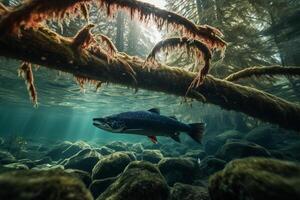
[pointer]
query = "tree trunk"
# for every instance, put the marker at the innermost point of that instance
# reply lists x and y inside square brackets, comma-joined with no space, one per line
[46,48]
[120,31]
[133,37]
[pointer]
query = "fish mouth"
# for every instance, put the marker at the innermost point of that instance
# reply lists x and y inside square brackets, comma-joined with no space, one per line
[102,123]
[99,122]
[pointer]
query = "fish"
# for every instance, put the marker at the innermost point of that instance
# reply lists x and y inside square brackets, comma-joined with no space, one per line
[151,124]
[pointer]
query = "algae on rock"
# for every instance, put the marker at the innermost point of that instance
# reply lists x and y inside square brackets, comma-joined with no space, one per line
[256,179]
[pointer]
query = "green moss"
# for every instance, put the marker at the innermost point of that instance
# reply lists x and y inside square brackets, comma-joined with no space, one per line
[256,178]
[47,185]
[140,180]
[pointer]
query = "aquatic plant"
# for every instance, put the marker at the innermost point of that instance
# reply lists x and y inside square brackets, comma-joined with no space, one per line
[264,71]
[25,71]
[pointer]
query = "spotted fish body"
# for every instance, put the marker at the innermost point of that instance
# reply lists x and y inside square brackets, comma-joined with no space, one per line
[149,123]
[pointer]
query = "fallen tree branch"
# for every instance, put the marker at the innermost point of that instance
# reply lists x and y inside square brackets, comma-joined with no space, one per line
[46,48]
[264,71]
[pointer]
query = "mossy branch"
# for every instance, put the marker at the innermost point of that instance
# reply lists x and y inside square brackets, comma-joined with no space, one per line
[198,49]
[31,12]
[264,71]
[46,48]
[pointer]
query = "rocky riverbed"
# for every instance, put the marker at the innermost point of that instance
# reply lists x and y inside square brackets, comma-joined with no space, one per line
[260,164]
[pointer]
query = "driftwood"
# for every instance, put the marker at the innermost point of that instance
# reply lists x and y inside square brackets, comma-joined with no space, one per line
[46,48]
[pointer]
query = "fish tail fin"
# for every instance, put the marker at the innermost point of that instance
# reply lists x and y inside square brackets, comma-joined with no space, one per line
[197,131]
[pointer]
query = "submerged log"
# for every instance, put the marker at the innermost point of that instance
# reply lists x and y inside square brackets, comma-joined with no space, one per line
[46,48]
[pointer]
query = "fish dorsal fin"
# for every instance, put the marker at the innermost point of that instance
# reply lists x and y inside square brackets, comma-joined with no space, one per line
[153,139]
[154,110]
[176,137]
[173,117]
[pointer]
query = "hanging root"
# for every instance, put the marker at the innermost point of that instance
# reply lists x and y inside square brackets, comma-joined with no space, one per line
[25,71]
[82,81]
[145,12]
[200,51]
[264,71]
[83,38]
[111,48]
[31,12]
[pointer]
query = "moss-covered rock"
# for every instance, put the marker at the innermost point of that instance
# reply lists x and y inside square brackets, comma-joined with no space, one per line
[137,148]
[132,155]
[266,136]
[153,156]
[117,146]
[212,145]
[110,165]
[197,154]
[140,180]
[66,149]
[84,160]
[181,170]
[210,165]
[6,157]
[105,150]
[234,149]
[97,187]
[257,179]
[16,166]
[85,177]
[230,134]
[189,192]
[293,150]
[46,185]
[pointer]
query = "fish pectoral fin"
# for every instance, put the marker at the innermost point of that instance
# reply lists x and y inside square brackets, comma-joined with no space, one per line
[153,139]
[155,110]
[176,137]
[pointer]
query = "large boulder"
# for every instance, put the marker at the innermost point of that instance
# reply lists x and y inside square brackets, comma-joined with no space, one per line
[6,157]
[188,192]
[105,150]
[181,170]
[292,150]
[84,160]
[234,149]
[196,154]
[140,180]
[85,177]
[212,145]
[230,134]
[110,165]
[117,146]
[153,156]
[97,187]
[66,149]
[257,179]
[46,185]
[265,136]
[137,148]
[16,166]
[210,165]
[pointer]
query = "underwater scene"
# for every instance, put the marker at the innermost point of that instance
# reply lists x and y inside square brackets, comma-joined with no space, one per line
[149,100]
